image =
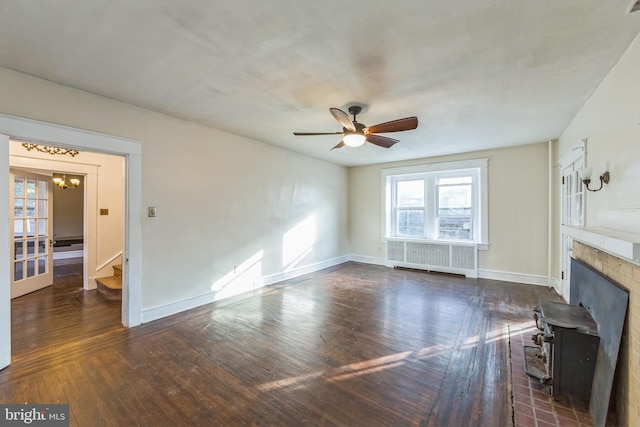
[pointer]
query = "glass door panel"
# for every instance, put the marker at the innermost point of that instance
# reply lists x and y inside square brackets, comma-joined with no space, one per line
[31,249]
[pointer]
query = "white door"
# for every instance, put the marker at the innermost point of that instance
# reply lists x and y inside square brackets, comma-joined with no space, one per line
[5,258]
[572,215]
[31,211]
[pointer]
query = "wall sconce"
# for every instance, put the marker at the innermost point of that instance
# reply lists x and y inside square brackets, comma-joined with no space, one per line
[62,182]
[585,176]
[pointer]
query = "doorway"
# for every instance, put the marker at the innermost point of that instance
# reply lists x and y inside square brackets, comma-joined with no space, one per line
[572,210]
[96,182]
[62,136]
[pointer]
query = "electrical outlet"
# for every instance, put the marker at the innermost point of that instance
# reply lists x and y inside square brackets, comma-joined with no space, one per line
[104,211]
[152,212]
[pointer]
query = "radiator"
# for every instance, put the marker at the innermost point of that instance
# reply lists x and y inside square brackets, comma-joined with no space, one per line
[459,258]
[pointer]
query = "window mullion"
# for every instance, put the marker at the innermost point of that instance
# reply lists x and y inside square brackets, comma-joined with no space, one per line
[431,204]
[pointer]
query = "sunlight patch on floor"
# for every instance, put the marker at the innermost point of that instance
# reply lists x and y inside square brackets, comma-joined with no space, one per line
[356,369]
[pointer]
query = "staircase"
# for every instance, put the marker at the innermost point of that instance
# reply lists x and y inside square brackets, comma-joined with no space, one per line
[111,287]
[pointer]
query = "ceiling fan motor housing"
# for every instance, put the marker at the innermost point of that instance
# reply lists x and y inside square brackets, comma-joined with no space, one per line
[359,128]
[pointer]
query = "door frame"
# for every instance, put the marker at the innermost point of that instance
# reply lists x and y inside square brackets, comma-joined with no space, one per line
[89,225]
[577,155]
[68,137]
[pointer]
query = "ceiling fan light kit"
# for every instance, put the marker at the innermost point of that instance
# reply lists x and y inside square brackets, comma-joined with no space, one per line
[354,139]
[355,133]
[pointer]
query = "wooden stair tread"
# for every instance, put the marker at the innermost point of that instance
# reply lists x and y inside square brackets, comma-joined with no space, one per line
[111,282]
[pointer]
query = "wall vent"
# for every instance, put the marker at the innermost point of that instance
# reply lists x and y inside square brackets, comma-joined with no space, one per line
[458,258]
[634,7]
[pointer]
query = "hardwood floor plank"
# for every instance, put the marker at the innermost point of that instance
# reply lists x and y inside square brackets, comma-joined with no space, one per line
[351,345]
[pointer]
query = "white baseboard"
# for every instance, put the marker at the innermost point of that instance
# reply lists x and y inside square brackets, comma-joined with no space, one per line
[368,260]
[527,279]
[160,311]
[164,310]
[68,254]
[311,268]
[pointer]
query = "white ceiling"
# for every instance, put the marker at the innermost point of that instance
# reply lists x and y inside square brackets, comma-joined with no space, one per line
[478,74]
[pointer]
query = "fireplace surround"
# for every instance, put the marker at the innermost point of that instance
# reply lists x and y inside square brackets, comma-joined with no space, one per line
[626,274]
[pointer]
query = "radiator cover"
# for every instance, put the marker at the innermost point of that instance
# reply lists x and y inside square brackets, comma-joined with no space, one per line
[446,257]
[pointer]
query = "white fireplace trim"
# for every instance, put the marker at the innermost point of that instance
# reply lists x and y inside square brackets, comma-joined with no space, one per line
[622,244]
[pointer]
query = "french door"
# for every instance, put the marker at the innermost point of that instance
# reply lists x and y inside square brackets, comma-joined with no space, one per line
[31,212]
[572,215]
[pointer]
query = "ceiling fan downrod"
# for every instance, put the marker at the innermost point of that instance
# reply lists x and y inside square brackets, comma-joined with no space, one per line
[355,110]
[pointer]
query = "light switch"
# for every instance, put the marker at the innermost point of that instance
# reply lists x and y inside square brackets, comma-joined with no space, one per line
[152,212]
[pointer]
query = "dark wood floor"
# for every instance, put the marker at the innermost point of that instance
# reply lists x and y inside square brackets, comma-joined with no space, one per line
[356,345]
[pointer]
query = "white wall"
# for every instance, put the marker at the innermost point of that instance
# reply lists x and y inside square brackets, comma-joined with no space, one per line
[230,211]
[610,121]
[518,211]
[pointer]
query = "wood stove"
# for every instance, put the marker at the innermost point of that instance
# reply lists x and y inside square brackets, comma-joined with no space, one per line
[568,348]
[578,343]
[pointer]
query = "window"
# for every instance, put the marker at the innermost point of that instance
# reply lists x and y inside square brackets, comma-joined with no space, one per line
[455,207]
[410,208]
[444,201]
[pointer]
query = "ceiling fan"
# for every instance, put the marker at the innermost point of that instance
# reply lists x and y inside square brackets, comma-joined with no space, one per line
[355,133]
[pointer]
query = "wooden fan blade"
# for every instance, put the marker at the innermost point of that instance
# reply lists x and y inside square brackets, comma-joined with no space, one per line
[341,144]
[342,118]
[381,141]
[407,123]
[317,133]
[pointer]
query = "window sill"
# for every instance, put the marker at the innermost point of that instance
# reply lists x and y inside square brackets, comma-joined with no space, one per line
[480,245]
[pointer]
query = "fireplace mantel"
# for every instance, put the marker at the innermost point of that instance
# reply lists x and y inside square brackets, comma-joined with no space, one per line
[618,243]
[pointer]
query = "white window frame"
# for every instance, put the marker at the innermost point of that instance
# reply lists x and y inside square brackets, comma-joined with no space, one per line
[477,168]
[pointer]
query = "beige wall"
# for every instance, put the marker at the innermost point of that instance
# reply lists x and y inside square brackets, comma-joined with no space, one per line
[68,209]
[226,205]
[610,121]
[518,211]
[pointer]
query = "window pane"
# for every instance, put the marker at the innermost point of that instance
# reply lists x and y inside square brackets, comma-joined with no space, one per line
[31,188]
[454,200]
[31,248]
[458,228]
[42,208]
[410,194]
[31,268]
[42,189]
[18,249]
[42,227]
[31,208]
[17,272]
[42,246]
[18,208]
[410,222]
[42,265]
[31,227]
[18,187]
[18,228]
